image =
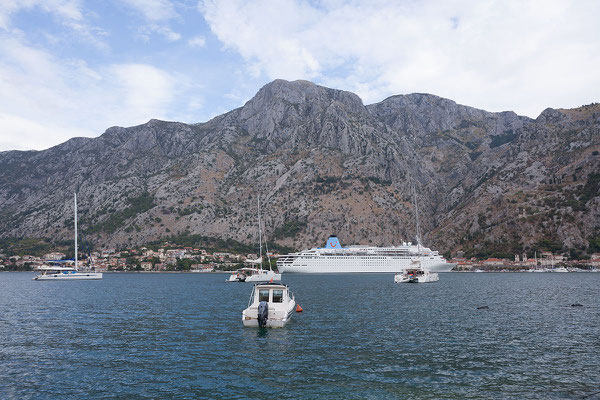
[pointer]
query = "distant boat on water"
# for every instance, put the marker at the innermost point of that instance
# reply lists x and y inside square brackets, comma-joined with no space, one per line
[52,273]
[256,274]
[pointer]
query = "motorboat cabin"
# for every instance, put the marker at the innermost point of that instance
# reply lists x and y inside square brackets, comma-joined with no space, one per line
[271,305]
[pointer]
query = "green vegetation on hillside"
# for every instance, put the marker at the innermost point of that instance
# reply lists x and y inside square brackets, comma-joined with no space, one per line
[137,205]
[212,244]
[289,229]
[28,246]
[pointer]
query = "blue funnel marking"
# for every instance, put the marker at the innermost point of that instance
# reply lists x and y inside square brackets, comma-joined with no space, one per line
[333,243]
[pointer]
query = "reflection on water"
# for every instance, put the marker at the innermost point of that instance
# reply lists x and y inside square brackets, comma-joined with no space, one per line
[360,336]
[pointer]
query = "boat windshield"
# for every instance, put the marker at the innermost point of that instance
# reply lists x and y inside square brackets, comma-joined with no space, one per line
[263,295]
[277,296]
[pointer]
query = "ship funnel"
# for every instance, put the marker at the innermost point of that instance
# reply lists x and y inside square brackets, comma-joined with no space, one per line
[333,243]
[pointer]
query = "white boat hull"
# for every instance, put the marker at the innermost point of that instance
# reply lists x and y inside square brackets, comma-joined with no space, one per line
[70,277]
[345,266]
[275,319]
[427,277]
[265,276]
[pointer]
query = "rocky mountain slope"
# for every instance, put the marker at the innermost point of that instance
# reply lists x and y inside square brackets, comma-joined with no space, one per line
[322,162]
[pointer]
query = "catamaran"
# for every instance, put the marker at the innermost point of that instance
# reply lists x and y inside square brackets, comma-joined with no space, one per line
[49,272]
[256,274]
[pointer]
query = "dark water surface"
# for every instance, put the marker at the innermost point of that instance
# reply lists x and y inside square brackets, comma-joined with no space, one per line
[359,337]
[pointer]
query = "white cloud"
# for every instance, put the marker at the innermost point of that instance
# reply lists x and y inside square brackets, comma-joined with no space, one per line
[46,100]
[197,42]
[68,13]
[158,14]
[153,10]
[66,10]
[497,55]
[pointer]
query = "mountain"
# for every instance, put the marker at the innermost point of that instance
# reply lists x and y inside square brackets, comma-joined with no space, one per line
[323,162]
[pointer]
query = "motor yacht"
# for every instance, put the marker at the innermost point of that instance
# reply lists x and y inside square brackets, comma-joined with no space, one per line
[271,305]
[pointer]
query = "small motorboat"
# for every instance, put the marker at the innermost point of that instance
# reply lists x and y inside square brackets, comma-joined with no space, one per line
[416,275]
[271,305]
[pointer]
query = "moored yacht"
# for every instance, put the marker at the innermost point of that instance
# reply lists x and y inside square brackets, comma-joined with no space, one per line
[49,272]
[67,273]
[256,274]
[271,305]
[416,275]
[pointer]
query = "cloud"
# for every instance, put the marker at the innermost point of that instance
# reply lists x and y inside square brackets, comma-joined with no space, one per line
[158,14]
[46,99]
[495,55]
[68,13]
[153,10]
[197,42]
[66,10]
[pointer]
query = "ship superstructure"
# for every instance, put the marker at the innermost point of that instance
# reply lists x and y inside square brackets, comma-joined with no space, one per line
[334,258]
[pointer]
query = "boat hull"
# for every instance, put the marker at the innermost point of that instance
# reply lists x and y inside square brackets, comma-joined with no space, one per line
[352,266]
[80,276]
[274,320]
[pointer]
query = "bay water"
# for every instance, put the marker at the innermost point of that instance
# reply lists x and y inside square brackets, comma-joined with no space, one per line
[360,337]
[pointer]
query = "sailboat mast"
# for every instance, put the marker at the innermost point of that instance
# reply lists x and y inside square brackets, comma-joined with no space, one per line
[267,250]
[259,233]
[75,209]
[417,217]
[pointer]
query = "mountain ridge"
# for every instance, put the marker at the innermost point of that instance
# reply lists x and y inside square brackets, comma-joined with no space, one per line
[321,160]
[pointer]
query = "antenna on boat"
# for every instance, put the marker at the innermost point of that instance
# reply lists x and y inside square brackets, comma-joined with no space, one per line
[414,190]
[75,220]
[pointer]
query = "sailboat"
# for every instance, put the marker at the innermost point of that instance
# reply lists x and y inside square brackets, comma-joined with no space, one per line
[55,272]
[256,273]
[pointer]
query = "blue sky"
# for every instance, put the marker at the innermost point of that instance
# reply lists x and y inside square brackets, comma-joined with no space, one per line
[74,67]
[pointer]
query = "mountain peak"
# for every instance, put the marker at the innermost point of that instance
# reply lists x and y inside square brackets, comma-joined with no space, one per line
[301,92]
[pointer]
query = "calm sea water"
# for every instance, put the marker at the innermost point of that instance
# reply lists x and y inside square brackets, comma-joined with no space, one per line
[359,337]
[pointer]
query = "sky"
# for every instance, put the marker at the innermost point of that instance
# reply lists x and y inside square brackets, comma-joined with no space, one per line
[75,67]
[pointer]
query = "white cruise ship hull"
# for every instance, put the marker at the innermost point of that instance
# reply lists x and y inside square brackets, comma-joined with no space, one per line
[353,265]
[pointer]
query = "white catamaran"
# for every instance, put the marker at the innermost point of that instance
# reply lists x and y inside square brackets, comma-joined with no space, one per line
[256,274]
[52,273]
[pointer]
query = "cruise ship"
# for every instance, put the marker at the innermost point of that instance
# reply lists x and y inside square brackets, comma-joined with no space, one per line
[337,259]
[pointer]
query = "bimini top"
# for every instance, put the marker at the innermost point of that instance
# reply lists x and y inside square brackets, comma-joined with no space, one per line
[270,284]
[333,243]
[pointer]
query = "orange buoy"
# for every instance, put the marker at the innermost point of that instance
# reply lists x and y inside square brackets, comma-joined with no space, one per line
[298,308]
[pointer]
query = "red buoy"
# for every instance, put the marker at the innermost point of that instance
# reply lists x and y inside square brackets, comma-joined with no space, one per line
[298,308]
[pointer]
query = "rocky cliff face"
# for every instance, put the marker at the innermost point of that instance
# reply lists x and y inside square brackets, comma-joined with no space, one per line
[322,162]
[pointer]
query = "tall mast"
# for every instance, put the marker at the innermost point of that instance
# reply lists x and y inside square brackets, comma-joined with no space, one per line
[75,209]
[267,250]
[417,216]
[259,233]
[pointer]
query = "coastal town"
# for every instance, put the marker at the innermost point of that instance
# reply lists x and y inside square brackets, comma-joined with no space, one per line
[165,258]
[171,257]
